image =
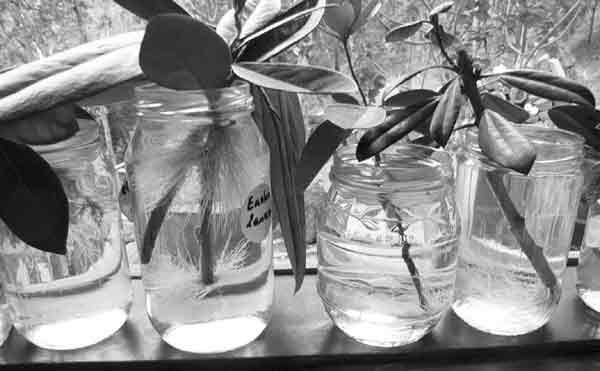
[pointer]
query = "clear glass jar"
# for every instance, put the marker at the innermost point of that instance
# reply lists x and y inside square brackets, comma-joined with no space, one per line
[209,280]
[588,268]
[72,301]
[498,288]
[387,244]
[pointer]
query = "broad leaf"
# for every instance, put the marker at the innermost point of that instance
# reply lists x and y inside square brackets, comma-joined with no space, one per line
[351,116]
[45,127]
[365,14]
[341,18]
[403,31]
[501,141]
[33,203]
[255,15]
[344,98]
[321,145]
[404,78]
[446,113]
[294,78]
[549,86]
[149,8]
[276,114]
[410,98]
[179,52]
[442,8]
[582,120]
[397,124]
[283,31]
[510,111]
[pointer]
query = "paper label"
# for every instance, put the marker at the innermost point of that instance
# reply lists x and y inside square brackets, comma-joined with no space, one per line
[256,213]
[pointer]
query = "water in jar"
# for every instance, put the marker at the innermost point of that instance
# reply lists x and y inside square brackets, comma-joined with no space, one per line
[588,268]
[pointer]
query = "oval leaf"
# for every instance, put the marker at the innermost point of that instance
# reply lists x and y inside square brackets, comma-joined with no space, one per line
[582,120]
[33,203]
[446,113]
[442,8]
[410,98]
[149,8]
[344,98]
[502,142]
[510,111]
[340,19]
[46,127]
[283,31]
[403,32]
[179,52]
[294,78]
[351,116]
[549,86]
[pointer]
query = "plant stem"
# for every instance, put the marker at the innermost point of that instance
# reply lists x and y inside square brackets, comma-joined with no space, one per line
[438,36]
[204,239]
[349,59]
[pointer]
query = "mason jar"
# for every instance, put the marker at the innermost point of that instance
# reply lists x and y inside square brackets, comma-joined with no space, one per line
[73,300]
[512,258]
[199,176]
[387,244]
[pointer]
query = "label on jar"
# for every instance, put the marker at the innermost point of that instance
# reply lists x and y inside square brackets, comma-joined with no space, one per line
[256,213]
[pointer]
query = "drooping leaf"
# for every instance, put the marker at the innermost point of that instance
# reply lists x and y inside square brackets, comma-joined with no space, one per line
[33,203]
[179,52]
[340,19]
[344,98]
[582,120]
[410,98]
[276,113]
[351,116]
[403,32]
[402,79]
[321,145]
[397,124]
[442,8]
[45,127]
[501,141]
[149,8]
[294,78]
[283,31]
[446,113]
[510,111]
[549,86]
[365,14]
[254,15]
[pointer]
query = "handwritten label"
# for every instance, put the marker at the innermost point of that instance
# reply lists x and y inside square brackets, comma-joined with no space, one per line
[256,213]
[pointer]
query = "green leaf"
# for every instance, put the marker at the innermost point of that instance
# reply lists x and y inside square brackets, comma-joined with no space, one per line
[446,113]
[321,145]
[402,79]
[252,15]
[149,8]
[351,116]
[33,203]
[282,32]
[410,98]
[276,113]
[340,19]
[179,52]
[403,32]
[548,86]
[367,13]
[397,124]
[582,120]
[442,8]
[344,98]
[510,111]
[294,78]
[46,127]
[502,142]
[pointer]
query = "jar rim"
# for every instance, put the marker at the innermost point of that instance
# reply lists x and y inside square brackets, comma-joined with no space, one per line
[536,134]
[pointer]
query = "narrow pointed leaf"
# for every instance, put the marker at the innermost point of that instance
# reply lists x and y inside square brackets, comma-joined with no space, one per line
[501,141]
[149,8]
[446,113]
[351,116]
[321,145]
[45,127]
[582,120]
[179,52]
[549,86]
[442,8]
[294,78]
[344,98]
[33,203]
[410,98]
[367,13]
[402,79]
[340,19]
[283,31]
[380,137]
[403,32]
[510,111]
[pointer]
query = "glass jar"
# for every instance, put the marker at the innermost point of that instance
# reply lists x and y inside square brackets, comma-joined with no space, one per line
[501,287]
[5,317]
[387,244]
[588,268]
[199,157]
[75,300]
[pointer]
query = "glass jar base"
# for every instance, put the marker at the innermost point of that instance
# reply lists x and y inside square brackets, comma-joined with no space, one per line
[381,330]
[215,336]
[591,298]
[75,333]
[497,319]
